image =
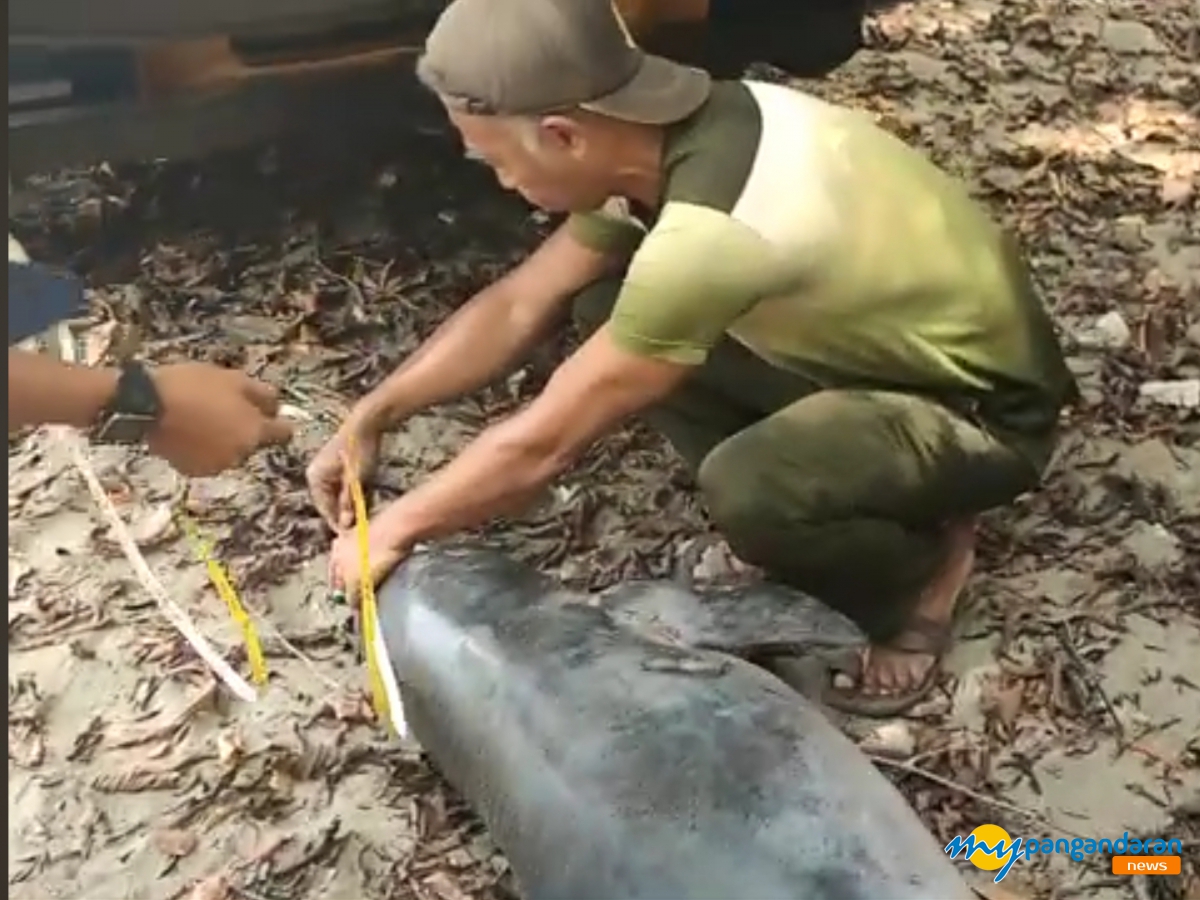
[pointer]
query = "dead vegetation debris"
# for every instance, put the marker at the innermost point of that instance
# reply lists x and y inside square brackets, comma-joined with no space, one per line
[1076,123]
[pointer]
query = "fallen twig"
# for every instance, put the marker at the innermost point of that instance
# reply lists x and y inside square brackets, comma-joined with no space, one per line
[279,636]
[986,799]
[59,636]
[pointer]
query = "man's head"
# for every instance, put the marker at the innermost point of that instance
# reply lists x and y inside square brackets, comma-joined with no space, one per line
[546,91]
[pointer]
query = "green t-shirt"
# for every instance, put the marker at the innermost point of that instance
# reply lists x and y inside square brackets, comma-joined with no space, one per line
[831,248]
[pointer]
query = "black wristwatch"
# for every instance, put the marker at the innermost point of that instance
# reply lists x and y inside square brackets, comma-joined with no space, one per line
[133,411]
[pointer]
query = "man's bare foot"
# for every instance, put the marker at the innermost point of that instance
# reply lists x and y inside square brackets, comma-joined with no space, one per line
[894,676]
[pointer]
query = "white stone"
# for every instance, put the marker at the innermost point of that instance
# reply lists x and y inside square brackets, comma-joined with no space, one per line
[1184,393]
[891,739]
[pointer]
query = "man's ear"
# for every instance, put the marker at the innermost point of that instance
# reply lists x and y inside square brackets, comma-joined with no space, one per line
[564,133]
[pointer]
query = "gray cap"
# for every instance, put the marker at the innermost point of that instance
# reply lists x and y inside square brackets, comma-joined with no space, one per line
[531,57]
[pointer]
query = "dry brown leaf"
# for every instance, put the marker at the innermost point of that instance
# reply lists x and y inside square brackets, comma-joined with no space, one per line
[307,338]
[215,887]
[212,496]
[37,751]
[261,849]
[136,780]
[17,570]
[19,608]
[163,727]
[353,708]
[1007,702]
[119,492]
[230,745]
[281,783]
[154,527]
[1177,189]
[308,302]
[445,887]
[175,842]
[161,749]
[27,750]
[85,743]
[153,732]
[98,341]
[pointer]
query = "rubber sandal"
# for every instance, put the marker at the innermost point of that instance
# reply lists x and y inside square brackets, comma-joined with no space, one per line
[922,636]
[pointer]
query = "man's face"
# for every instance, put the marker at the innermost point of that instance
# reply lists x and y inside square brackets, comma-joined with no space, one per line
[549,164]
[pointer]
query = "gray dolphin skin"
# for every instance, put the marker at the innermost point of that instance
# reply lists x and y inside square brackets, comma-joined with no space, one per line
[760,620]
[610,766]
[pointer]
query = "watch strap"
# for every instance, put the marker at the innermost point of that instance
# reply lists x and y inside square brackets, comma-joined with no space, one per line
[134,409]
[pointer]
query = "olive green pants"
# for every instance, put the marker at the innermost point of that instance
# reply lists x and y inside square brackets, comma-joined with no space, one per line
[842,493]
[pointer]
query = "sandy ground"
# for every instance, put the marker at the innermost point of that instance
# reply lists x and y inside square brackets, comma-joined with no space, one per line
[1073,706]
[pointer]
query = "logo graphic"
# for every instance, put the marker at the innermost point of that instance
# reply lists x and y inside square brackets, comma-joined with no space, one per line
[989,847]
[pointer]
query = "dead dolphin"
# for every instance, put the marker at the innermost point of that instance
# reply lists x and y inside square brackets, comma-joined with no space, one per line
[759,619]
[791,634]
[609,766]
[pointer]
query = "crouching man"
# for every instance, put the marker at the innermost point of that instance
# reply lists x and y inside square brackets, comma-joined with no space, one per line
[846,350]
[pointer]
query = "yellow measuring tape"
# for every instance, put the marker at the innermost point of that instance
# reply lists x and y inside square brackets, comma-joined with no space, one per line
[367,610]
[220,580]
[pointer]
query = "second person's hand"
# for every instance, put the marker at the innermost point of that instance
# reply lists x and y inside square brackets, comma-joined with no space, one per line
[213,418]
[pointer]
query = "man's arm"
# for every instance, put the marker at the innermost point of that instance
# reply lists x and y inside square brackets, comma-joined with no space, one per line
[43,390]
[490,333]
[694,275]
[590,394]
[684,287]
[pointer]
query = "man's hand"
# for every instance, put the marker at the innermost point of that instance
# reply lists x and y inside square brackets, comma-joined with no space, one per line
[213,418]
[387,549]
[326,473]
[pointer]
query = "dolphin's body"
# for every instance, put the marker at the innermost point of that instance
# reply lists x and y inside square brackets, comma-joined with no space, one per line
[610,766]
